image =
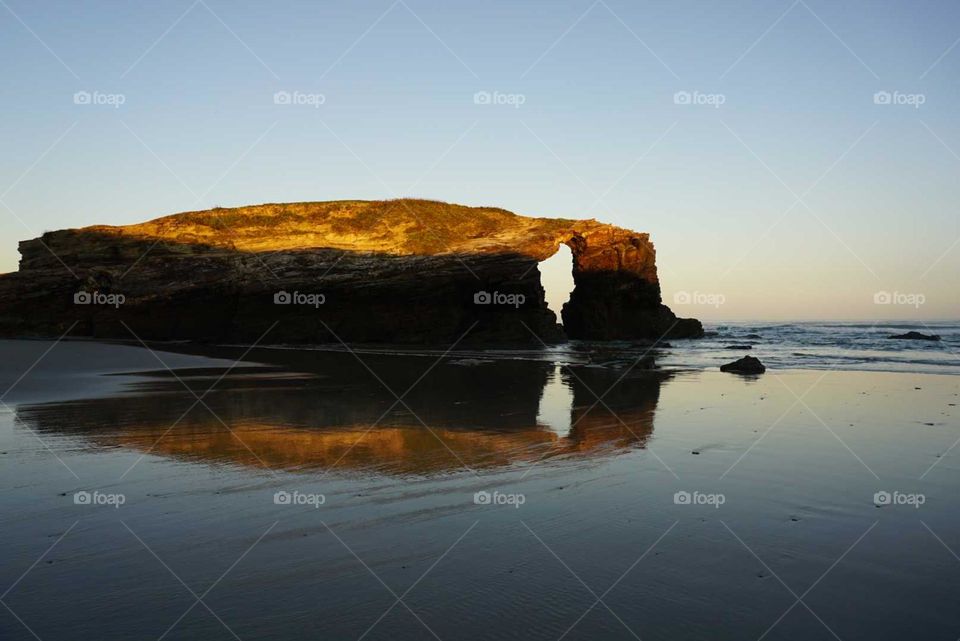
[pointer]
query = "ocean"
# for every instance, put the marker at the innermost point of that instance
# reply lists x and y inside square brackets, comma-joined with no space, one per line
[816,345]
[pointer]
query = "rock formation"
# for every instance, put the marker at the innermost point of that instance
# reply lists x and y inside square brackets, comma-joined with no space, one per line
[745,365]
[400,271]
[916,336]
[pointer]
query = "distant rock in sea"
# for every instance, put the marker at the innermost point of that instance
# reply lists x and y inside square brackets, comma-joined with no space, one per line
[399,271]
[916,336]
[745,365]
[738,347]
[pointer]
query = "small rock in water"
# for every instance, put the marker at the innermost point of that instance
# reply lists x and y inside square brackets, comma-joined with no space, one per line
[916,336]
[695,452]
[746,365]
[738,347]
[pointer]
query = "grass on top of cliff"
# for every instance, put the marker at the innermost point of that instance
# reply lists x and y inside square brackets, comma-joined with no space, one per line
[404,225]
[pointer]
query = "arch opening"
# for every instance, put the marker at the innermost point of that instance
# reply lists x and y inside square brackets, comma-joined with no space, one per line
[556,278]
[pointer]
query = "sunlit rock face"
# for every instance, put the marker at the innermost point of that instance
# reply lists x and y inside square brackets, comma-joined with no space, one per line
[401,271]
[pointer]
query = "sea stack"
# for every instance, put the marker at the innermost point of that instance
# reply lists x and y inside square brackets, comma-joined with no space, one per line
[399,271]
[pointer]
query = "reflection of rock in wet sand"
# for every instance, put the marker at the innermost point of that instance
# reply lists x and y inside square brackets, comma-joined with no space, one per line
[480,416]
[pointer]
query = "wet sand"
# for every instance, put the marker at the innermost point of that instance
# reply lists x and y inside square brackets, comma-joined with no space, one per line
[497,499]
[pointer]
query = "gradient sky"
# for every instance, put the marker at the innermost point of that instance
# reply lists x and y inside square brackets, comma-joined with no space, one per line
[797,198]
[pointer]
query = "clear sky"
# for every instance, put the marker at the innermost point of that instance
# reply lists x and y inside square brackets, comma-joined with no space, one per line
[776,187]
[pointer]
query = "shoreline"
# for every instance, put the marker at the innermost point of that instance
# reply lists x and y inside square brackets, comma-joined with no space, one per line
[184,356]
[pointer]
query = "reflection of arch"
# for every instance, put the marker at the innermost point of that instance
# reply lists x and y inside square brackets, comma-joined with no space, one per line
[623,418]
[308,422]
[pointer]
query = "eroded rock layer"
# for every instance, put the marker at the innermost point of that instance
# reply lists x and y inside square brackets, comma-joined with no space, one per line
[401,271]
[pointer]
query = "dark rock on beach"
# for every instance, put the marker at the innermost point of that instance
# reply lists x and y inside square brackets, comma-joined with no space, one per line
[746,365]
[916,336]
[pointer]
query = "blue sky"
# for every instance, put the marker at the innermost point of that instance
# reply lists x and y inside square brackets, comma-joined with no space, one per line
[797,197]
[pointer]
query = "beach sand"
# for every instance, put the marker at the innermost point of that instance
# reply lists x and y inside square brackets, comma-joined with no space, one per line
[497,498]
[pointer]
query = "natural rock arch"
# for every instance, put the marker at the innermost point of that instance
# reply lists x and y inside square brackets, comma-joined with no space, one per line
[402,271]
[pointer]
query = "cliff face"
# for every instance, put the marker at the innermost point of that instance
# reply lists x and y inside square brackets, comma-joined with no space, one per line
[404,271]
